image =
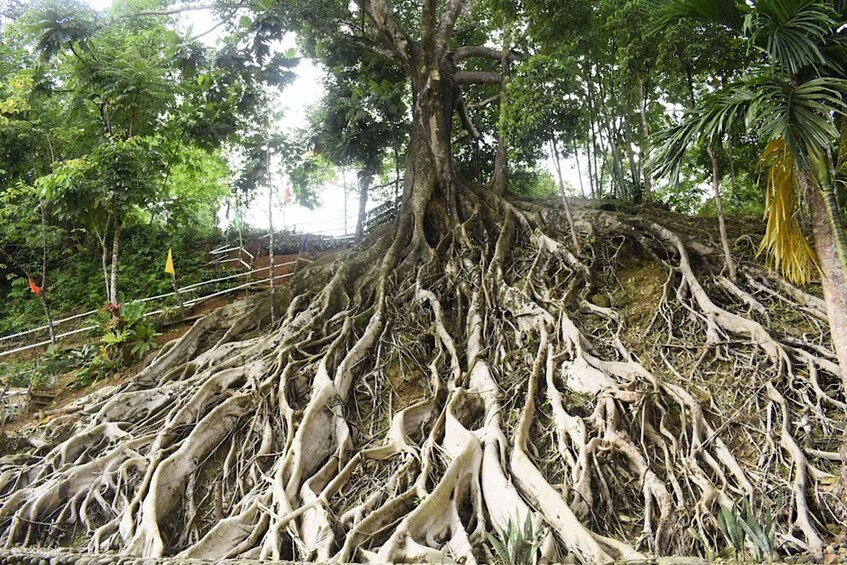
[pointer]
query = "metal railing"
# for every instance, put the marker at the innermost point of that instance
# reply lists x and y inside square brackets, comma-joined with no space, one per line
[188,303]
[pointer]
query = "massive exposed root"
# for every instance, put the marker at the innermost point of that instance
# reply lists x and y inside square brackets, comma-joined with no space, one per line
[410,402]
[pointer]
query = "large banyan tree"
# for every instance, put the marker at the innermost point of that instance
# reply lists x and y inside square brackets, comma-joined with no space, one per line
[453,375]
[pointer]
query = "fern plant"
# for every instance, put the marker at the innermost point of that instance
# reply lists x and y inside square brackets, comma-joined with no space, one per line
[517,545]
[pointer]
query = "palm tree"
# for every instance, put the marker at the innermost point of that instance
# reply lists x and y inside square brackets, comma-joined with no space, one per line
[794,98]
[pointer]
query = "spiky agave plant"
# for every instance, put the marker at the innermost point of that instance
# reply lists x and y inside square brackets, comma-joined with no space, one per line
[517,545]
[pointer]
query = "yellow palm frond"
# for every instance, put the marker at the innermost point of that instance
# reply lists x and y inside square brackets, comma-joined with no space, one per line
[786,247]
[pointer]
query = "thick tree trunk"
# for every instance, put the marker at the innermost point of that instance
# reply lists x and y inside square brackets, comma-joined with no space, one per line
[116,245]
[716,188]
[364,186]
[429,198]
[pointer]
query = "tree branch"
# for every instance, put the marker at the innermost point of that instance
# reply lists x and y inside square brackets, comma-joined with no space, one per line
[478,77]
[486,102]
[466,119]
[470,51]
[370,45]
[449,15]
[187,9]
[387,25]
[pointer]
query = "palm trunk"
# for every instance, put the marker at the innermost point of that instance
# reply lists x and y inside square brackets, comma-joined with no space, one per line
[716,187]
[834,284]
[836,225]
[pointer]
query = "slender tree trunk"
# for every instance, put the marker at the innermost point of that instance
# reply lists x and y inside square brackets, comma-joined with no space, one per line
[578,168]
[43,301]
[645,145]
[630,153]
[41,297]
[595,132]
[104,263]
[622,132]
[396,175]
[565,200]
[592,179]
[716,187]
[733,179]
[271,265]
[116,244]
[501,159]
[364,186]
[616,168]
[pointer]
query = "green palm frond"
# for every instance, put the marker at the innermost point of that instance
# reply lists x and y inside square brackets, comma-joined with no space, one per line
[716,115]
[786,247]
[791,32]
[729,13]
[803,116]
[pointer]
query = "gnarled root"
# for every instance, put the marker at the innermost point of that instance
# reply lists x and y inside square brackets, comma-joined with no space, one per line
[433,393]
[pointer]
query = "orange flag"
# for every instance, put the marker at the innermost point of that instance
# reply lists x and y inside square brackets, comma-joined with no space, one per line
[36,290]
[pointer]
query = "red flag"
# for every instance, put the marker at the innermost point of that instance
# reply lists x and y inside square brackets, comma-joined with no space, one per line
[287,196]
[34,287]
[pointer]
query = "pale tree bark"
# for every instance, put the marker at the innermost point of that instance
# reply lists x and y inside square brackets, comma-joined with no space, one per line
[733,178]
[104,261]
[565,201]
[578,168]
[271,265]
[365,179]
[116,245]
[716,188]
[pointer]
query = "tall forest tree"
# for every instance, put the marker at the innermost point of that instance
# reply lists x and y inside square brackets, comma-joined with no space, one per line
[425,393]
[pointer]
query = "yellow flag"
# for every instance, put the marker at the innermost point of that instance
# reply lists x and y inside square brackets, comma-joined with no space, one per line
[169,263]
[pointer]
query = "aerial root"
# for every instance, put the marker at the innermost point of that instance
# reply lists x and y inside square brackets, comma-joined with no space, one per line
[420,401]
